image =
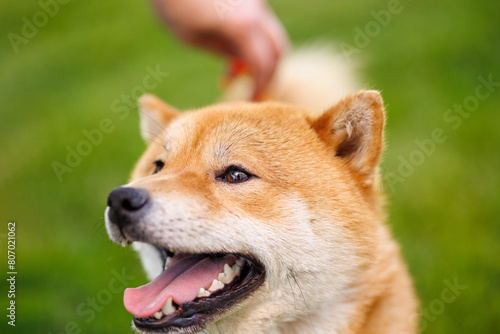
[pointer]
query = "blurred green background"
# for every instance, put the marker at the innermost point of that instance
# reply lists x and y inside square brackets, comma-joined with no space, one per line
[70,74]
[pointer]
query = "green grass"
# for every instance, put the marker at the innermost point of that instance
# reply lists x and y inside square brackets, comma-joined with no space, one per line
[66,78]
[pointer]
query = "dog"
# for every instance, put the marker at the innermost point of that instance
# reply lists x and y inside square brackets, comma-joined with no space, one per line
[265,217]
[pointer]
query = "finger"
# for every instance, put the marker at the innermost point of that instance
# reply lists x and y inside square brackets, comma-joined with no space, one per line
[214,42]
[276,34]
[258,53]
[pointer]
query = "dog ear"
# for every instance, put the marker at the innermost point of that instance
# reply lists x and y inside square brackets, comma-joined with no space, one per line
[353,128]
[155,115]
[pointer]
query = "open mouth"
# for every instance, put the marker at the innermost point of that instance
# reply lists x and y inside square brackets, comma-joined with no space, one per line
[192,291]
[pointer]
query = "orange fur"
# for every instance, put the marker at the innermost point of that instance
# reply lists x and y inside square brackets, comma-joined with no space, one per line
[312,214]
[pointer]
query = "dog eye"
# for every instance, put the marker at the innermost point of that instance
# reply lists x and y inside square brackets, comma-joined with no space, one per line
[235,175]
[159,166]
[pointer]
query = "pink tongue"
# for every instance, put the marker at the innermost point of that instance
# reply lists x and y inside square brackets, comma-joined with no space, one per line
[181,281]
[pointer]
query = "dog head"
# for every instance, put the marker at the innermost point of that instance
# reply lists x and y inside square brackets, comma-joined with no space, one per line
[249,213]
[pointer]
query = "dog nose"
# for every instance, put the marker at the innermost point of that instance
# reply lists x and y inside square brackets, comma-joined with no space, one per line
[124,201]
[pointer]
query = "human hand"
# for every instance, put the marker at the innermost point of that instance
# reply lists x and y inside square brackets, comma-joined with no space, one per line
[244,29]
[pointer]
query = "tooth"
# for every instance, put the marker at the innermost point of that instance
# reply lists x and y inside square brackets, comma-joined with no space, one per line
[168,308]
[222,277]
[216,285]
[228,274]
[124,243]
[203,293]
[158,315]
[167,262]
[240,261]
[236,269]
[227,270]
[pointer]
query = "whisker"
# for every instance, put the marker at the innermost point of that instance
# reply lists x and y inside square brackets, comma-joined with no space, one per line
[99,229]
[293,291]
[160,126]
[155,139]
[303,298]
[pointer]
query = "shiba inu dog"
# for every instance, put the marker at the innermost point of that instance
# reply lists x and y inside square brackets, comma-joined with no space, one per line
[265,217]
